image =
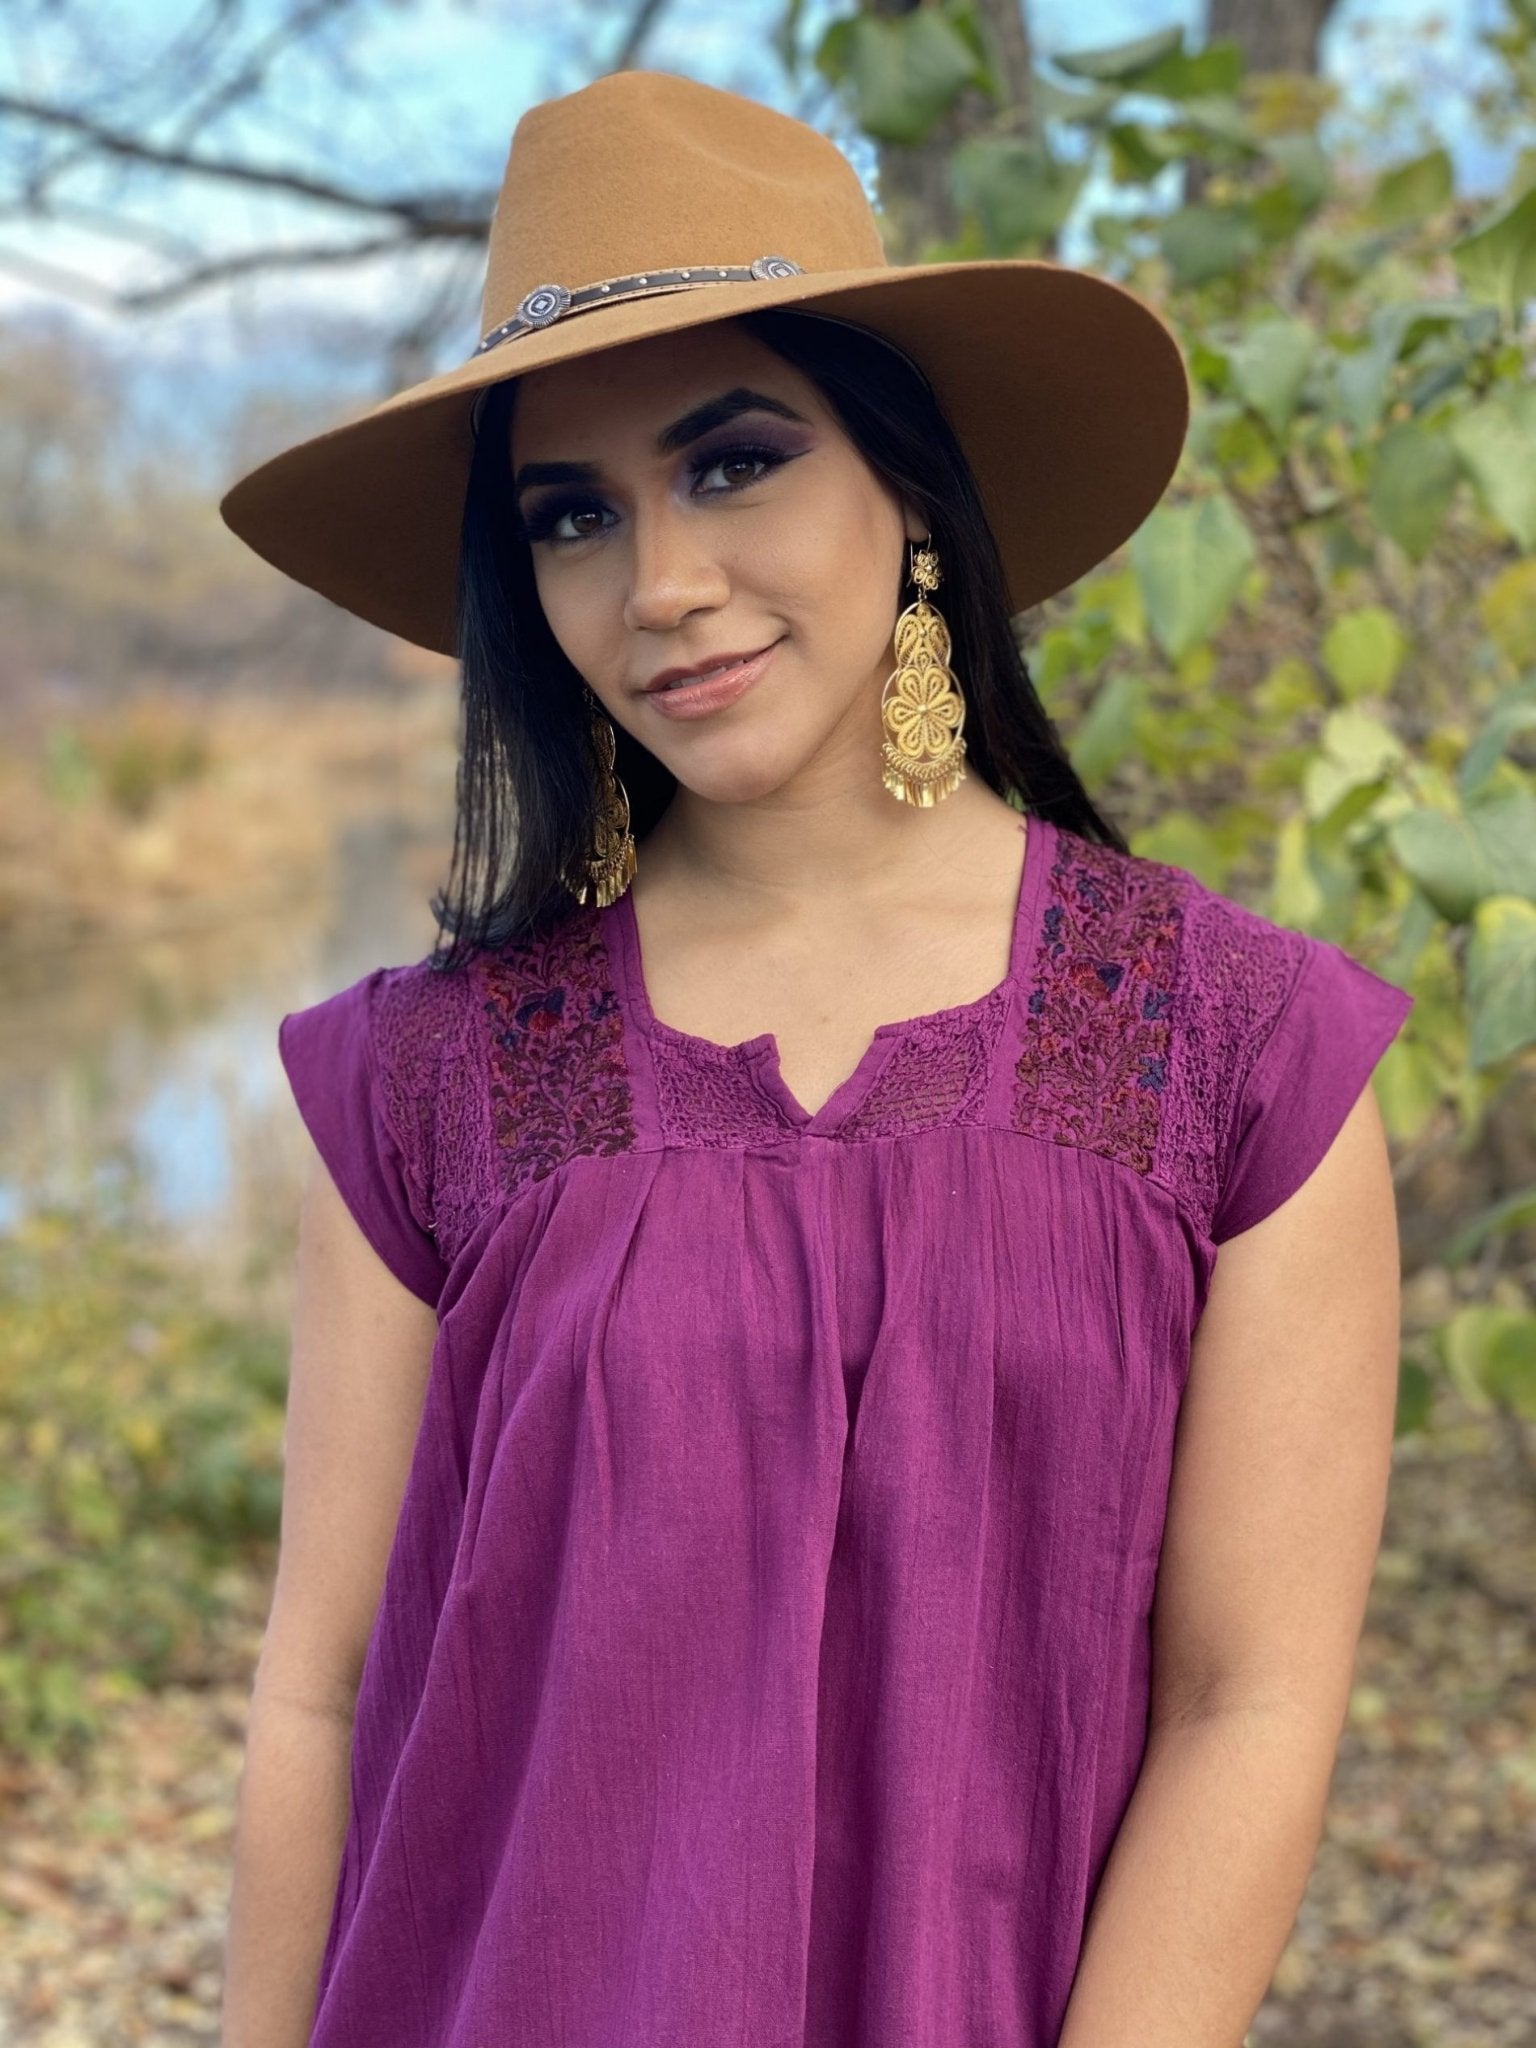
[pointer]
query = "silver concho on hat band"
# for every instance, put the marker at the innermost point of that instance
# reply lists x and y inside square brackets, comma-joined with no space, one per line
[547,303]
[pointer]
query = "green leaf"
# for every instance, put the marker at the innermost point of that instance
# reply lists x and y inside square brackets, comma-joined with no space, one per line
[1412,478]
[1108,731]
[1185,74]
[1181,840]
[975,30]
[1357,752]
[1504,820]
[1498,262]
[1363,651]
[1501,978]
[1217,116]
[1017,191]
[1054,103]
[1443,855]
[1303,163]
[1409,193]
[1270,365]
[1409,1086]
[1362,379]
[1134,155]
[1122,61]
[1190,561]
[1510,1212]
[902,75]
[1508,608]
[1514,712]
[1509,1369]
[1497,442]
[1463,1341]
[1199,243]
[1461,861]
[1473,1343]
[1295,897]
[1415,1400]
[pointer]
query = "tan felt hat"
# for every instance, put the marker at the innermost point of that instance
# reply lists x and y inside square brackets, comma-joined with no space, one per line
[646,203]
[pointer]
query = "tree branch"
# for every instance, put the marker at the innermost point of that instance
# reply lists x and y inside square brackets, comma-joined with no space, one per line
[420,214]
[641,23]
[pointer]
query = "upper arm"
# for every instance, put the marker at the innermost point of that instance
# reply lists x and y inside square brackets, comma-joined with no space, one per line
[1284,1443]
[361,1352]
[363,1068]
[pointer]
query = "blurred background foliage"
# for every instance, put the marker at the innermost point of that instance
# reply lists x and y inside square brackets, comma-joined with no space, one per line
[1310,679]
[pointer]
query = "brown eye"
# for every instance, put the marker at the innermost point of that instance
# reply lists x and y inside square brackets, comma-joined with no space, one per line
[736,468]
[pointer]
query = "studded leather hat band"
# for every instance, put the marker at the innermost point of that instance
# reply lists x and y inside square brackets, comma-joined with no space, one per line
[547,303]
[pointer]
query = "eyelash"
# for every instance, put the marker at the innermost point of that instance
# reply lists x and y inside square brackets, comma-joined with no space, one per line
[540,524]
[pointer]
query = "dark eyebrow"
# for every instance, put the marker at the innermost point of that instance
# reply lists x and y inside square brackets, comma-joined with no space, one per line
[693,426]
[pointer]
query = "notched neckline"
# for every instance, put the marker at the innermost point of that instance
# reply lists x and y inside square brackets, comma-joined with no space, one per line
[621,930]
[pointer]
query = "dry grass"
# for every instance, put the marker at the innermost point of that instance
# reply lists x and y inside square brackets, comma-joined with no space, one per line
[164,812]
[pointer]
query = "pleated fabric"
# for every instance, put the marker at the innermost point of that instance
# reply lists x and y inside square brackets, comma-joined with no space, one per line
[763,1655]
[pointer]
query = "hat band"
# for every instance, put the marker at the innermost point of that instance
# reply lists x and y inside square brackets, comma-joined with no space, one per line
[547,303]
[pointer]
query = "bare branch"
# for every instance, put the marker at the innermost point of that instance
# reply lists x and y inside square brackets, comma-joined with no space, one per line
[468,224]
[283,256]
[641,23]
[257,63]
[54,278]
[143,234]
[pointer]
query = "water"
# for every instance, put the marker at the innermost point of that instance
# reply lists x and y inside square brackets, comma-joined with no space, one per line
[152,1065]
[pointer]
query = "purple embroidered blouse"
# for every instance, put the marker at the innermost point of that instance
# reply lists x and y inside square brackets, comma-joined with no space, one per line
[763,1659]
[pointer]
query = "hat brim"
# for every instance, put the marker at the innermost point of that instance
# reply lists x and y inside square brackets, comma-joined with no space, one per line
[1067,392]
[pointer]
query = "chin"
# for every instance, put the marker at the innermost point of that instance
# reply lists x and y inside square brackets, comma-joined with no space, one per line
[742,772]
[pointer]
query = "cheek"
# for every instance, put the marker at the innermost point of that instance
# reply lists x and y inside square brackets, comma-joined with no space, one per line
[576,613]
[831,564]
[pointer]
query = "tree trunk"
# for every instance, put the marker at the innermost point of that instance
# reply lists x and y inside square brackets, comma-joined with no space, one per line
[1272,37]
[914,181]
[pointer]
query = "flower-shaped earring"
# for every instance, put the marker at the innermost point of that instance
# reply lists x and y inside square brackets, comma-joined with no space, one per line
[922,709]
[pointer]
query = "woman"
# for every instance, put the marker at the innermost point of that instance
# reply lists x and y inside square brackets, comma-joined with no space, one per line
[737,1584]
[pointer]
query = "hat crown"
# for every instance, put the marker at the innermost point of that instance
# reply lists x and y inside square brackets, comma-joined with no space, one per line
[643,170]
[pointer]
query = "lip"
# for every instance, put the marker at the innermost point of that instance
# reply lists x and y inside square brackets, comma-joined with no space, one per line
[700,668]
[698,699]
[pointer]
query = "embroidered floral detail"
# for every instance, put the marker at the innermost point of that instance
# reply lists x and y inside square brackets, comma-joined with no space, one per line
[1099,1018]
[559,1081]
[707,1095]
[938,1073]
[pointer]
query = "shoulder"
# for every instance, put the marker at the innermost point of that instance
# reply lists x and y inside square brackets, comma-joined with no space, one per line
[1232,1046]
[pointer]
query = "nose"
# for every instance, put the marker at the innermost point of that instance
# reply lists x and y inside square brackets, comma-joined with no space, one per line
[673,570]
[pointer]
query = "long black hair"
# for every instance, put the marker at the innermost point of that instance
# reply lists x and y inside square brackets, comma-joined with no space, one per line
[527,773]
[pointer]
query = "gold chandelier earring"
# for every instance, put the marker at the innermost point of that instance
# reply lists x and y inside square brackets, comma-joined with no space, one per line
[922,710]
[610,867]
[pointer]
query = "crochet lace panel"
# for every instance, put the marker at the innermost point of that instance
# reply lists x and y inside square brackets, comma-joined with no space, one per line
[938,1074]
[1235,980]
[1150,998]
[416,1027]
[708,1095]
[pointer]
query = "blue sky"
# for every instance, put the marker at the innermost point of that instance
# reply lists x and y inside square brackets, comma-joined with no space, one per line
[431,95]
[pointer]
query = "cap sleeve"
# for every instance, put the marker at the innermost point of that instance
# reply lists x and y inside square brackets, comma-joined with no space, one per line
[1306,1076]
[335,1065]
